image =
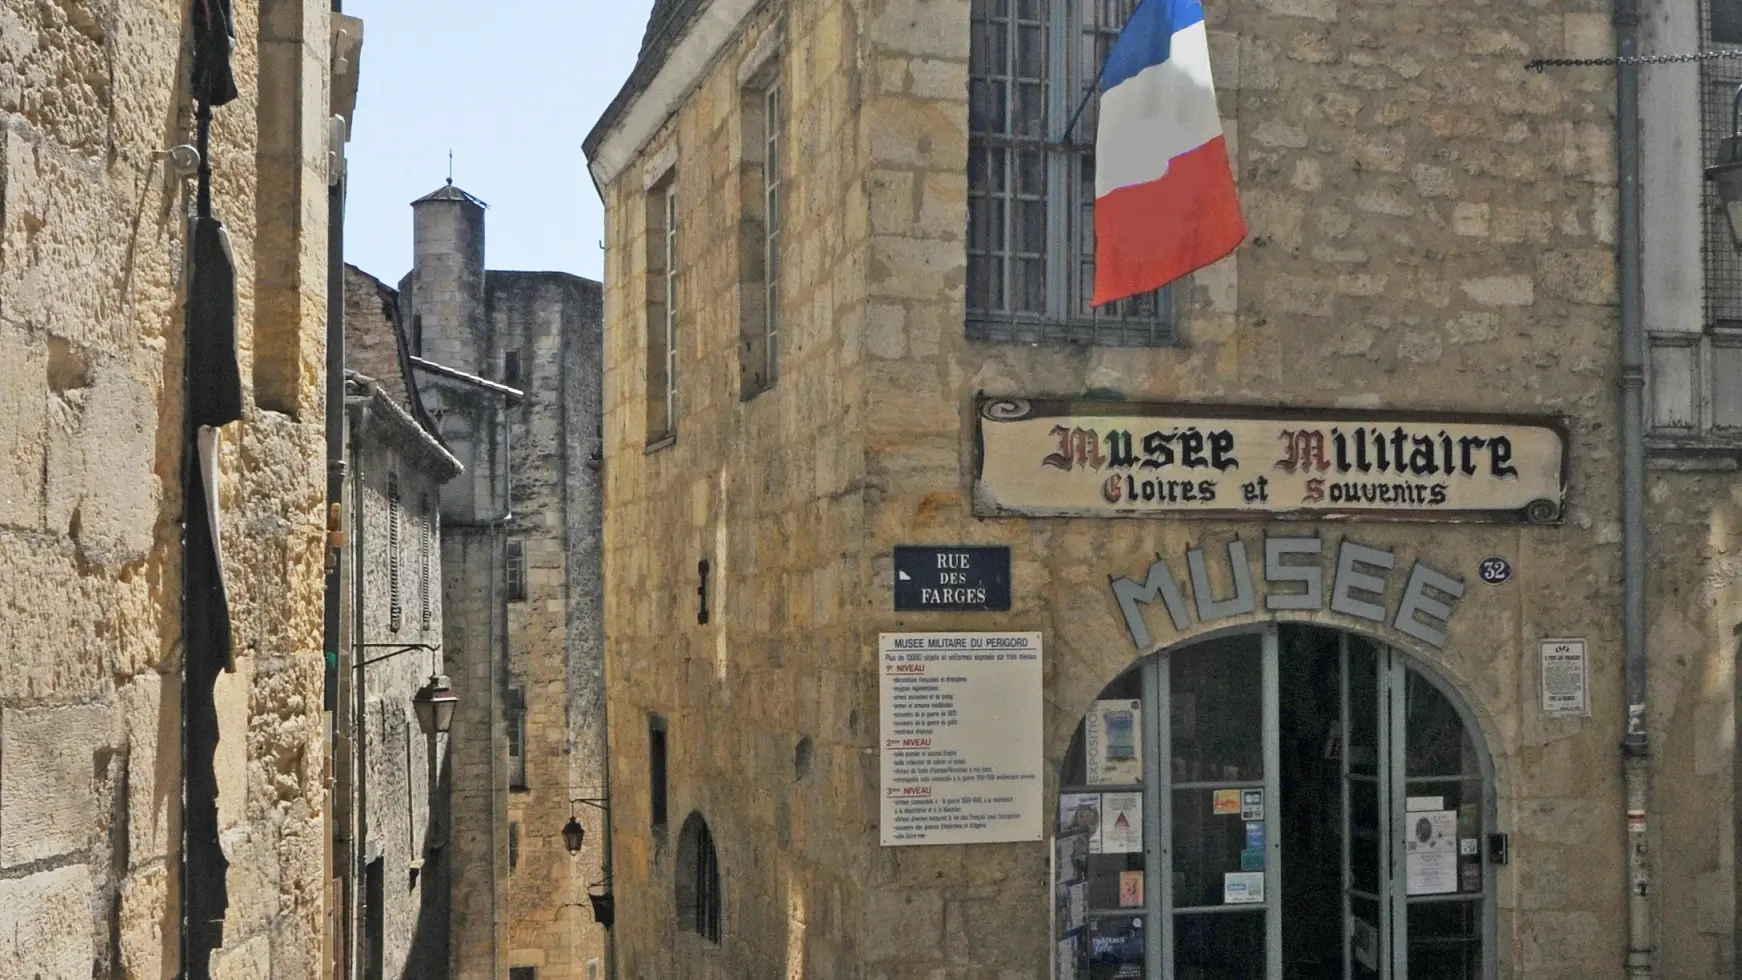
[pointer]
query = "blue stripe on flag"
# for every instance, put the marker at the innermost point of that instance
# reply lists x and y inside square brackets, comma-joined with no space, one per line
[1148,37]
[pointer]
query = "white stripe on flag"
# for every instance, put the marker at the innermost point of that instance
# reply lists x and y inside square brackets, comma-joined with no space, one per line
[1159,113]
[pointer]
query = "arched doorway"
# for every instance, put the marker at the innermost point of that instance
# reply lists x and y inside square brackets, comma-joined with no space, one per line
[1288,802]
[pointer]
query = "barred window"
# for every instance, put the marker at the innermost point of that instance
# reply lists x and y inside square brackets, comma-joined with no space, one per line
[514,573]
[1695,377]
[395,607]
[1031,199]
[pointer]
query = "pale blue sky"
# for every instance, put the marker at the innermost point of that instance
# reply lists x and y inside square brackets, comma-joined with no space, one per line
[512,87]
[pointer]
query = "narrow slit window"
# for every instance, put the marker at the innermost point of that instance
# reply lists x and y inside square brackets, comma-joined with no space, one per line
[514,572]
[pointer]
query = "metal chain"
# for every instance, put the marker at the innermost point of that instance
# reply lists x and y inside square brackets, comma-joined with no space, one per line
[1539,64]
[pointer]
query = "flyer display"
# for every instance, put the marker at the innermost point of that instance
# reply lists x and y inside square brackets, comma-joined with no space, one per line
[1432,852]
[1112,736]
[961,737]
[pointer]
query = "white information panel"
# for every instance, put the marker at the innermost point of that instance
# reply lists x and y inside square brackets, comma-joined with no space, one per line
[961,727]
[1563,678]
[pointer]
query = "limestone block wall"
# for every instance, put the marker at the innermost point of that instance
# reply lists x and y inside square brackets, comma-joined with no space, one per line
[774,493]
[550,320]
[92,268]
[402,778]
[1432,228]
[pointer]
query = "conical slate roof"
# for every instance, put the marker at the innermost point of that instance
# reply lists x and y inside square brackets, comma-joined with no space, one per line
[448,192]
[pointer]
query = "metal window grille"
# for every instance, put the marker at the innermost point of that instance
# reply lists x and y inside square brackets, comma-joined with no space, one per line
[1031,232]
[425,596]
[395,608]
[773,126]
[514,572]
[1723,265]
[670,276]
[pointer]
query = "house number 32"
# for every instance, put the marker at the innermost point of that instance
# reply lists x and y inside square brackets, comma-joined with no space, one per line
[1494,570]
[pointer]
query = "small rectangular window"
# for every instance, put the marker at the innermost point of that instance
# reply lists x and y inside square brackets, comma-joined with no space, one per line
[514,575]
[1726,21]
[511,368]
[417,334]
[513,845]
[656,770]
[515,718]
[662,312]
[523,973]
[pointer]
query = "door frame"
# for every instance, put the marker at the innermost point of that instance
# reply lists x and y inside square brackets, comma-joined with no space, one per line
[1158,793]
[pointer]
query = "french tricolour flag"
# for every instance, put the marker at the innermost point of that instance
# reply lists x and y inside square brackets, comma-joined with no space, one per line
[1164,194]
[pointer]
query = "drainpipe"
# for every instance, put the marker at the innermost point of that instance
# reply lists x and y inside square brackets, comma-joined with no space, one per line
[1635,745]
[331,641]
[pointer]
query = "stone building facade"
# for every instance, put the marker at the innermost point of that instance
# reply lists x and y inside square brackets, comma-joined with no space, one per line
[391,796]
[93,274]
[507,364]
[1433,242]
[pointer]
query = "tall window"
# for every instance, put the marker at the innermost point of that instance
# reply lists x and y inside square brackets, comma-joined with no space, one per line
[395,607]
[698,881]
[514,572]
[1031,198]
[662,311]
[656,771]
[1696,376]
[771,211]
[513,845]
[515,720]
[511,368]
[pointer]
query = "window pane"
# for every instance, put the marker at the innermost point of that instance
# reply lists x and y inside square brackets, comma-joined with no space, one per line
[1726,25]
[1225,946]
[1726,387]
[1672,387]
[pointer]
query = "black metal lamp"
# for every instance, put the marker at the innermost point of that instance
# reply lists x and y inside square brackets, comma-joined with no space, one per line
[574,835]
[434,703]
[1726,172]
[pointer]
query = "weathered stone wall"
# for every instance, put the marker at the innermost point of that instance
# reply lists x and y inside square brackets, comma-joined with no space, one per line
[546,646]
[773,492]
[552,321]
[400,783]
[92,267]
[1431,228]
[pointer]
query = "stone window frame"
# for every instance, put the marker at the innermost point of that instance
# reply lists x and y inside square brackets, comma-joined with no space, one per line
[762,128]
[662,298]
[698,896]
[1030,228]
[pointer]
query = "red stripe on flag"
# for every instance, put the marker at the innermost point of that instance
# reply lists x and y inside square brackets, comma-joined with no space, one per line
[1148,235]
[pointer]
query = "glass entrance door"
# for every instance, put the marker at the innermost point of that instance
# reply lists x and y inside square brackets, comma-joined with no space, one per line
[1289,803]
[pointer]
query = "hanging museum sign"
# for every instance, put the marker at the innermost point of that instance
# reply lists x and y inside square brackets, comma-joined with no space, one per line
[1056,458]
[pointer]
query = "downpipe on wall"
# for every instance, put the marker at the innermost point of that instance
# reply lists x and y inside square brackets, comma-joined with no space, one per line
[1635,744]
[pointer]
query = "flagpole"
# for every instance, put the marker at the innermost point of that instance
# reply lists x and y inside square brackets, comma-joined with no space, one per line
[1065,138]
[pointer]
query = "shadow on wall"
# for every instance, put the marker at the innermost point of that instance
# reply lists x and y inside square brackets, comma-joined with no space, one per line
[427,956]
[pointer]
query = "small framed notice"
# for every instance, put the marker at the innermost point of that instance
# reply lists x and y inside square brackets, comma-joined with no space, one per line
[1563,678]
